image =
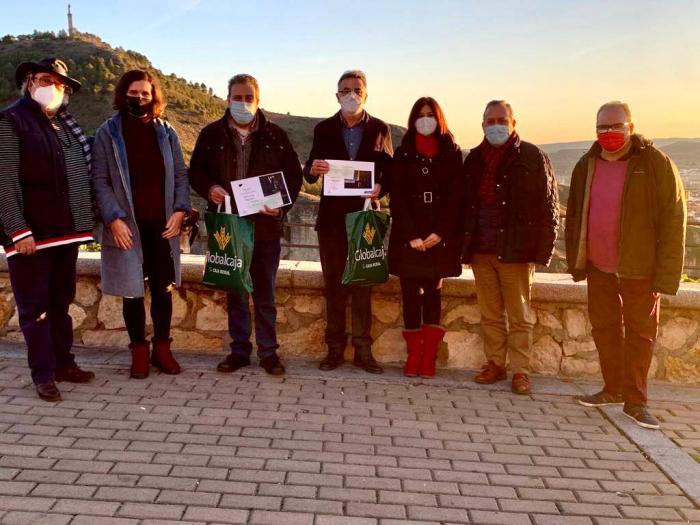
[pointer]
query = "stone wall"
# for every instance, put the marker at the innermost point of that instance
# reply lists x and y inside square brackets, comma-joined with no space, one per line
[562,335]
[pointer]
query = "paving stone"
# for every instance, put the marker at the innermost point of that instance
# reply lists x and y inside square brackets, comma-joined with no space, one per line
[216,515]
[36,518]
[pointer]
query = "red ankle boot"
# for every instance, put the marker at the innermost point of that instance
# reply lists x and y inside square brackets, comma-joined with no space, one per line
[163,358]
[139,360]
[414,348]
[432,337]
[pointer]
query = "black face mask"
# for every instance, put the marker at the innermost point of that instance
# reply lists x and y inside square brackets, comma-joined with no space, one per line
[134,107]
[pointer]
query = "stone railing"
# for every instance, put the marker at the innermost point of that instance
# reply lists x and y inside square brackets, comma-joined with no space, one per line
[562,335]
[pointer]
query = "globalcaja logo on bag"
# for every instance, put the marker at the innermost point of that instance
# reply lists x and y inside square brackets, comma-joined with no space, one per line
[372,255]
[368,234]
[222,238]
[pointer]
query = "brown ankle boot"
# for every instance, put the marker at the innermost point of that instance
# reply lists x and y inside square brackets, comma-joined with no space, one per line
[140,367]
[163,358]
[490,374]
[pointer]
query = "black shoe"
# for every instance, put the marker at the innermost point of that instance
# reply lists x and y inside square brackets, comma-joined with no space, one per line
[232,363]
[333,360]
[365,360]
[600,399]
[641,415]
[48,391]
[74,374]
[272,365]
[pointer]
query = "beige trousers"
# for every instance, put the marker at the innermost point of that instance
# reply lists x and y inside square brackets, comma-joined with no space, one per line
[504,288]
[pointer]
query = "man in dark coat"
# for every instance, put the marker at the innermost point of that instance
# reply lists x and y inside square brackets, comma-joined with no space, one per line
[46,212]
[350,134]
[243,144]
[625,234]
[511,218]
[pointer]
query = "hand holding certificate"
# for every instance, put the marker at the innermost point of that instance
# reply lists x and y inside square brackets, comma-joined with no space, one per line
[349,178]
[256,194]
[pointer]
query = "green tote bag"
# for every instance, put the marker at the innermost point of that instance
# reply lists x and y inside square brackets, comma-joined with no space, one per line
[230,250]
[366,263]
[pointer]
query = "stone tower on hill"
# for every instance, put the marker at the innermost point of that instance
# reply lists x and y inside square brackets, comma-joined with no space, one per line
[71,29]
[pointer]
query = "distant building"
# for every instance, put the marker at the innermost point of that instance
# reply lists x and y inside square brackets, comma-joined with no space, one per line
[71,29]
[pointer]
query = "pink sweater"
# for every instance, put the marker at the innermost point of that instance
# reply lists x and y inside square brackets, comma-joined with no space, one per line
[604,214]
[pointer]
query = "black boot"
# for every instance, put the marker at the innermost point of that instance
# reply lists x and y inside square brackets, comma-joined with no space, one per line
[365,360]
[333,359]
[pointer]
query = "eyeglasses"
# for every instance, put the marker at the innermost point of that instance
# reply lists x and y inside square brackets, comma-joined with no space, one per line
[347,91]
[48,81]
[607,128]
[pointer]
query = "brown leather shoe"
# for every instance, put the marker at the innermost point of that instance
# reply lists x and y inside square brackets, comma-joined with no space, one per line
[48,391]
[491,373]
[74,374]
[521,384]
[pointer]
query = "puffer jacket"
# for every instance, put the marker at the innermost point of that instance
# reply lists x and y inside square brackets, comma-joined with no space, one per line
[528,204]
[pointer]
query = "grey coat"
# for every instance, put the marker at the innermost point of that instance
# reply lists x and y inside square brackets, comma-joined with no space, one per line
[122,270]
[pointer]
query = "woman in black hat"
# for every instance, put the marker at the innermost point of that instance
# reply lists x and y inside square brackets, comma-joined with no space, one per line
[46,212]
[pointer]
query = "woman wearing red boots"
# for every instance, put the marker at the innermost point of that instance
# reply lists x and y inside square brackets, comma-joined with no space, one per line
[140,185]
[425,243]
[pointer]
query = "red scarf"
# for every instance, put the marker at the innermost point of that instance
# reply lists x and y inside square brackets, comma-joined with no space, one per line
[493,158]
[427,146]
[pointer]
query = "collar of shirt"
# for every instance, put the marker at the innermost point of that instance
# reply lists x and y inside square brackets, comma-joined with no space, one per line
[361,122]
[243,133]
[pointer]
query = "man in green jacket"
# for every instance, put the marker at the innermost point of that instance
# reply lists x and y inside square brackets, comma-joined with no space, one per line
[625,233]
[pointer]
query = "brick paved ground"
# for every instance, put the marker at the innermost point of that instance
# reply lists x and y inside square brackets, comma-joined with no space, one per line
[209,448]
[681,423]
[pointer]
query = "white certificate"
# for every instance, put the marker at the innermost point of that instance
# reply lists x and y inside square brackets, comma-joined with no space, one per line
[349,177]
[254,193]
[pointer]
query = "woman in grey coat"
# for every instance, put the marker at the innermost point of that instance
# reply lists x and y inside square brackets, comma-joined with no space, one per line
[140,184]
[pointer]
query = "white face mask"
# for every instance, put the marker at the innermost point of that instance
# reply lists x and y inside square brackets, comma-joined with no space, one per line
[426,125]
[351,104]
[242,112]
[497,135]
[48,97]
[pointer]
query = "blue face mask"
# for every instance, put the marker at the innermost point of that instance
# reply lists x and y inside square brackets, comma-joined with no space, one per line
[242,112]
[497,135]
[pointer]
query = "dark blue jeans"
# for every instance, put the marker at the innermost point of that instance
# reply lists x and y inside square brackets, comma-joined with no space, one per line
[44,288]
[263,271]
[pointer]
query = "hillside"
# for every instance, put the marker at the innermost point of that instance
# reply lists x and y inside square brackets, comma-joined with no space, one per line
[98,66]
[684,152]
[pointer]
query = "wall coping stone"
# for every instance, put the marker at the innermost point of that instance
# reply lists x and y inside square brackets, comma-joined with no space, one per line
[548,287]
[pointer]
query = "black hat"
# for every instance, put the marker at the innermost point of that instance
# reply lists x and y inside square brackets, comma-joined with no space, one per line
[48,65]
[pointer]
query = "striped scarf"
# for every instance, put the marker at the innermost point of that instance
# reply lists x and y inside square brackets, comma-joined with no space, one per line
[78,133]
[493,158]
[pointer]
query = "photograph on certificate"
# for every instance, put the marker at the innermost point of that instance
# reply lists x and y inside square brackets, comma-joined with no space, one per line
[254,193]
[349,178]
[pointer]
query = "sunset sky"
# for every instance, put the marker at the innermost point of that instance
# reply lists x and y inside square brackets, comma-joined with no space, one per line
[555,61]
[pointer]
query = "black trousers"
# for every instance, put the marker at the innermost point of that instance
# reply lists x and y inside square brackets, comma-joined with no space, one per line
[44,288]
[421,302]
[159,272]
[333,248]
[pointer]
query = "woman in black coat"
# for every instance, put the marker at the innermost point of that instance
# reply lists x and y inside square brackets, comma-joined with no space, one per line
[425,243]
